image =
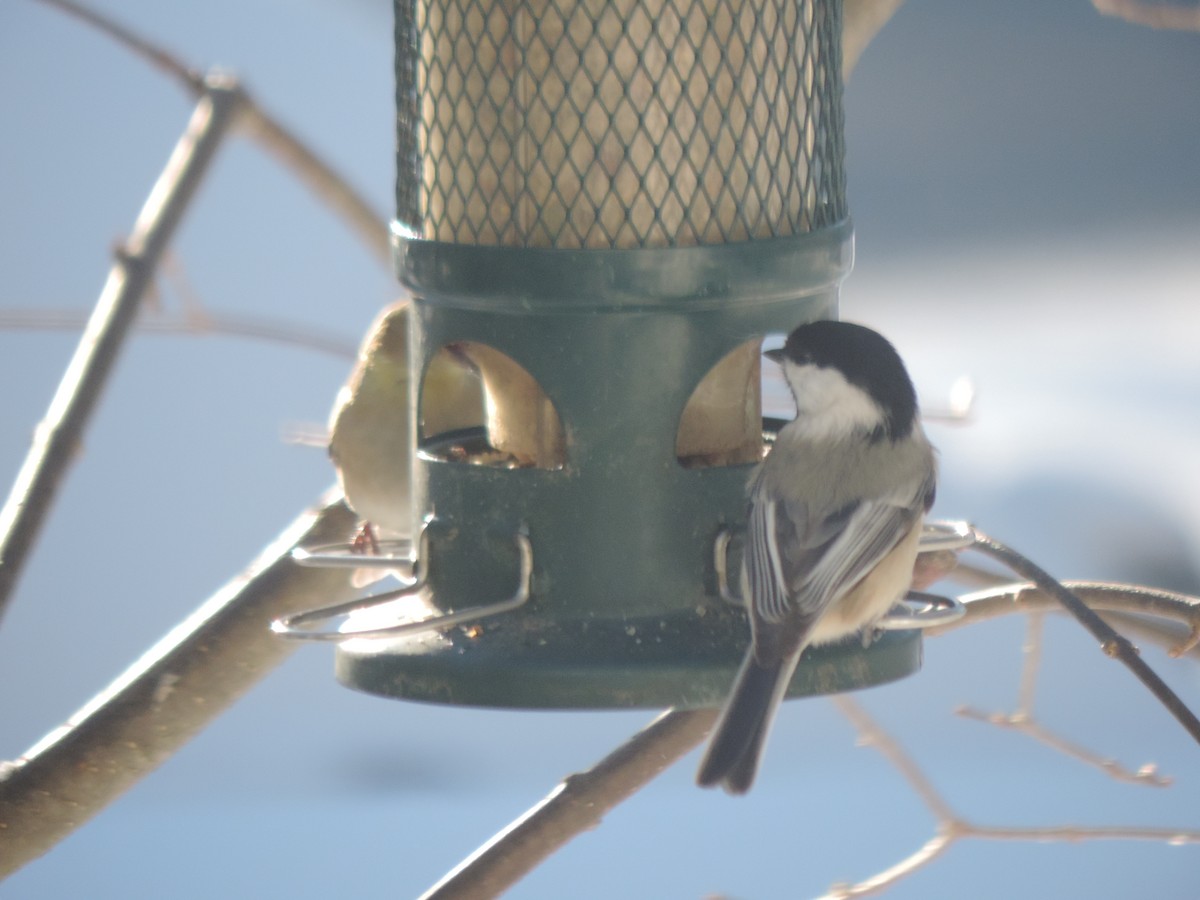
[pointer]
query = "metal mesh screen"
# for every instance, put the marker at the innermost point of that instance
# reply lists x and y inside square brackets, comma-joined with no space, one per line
[594,124]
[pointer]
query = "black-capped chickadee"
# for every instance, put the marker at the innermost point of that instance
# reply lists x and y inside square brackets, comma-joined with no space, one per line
[835,513]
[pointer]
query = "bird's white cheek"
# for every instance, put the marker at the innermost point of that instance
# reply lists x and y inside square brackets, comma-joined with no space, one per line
[829,406]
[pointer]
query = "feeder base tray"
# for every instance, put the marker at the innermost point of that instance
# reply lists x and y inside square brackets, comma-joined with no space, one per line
[683,661]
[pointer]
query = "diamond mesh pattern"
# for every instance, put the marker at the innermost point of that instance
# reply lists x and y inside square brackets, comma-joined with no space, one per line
[634,123]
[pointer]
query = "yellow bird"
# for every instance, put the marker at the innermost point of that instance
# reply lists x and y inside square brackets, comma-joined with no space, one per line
[371,436]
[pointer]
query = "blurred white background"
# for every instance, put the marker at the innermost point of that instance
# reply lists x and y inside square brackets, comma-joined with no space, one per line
[1026,197]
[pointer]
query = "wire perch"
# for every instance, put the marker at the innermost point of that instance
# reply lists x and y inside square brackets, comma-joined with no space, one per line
[292,626]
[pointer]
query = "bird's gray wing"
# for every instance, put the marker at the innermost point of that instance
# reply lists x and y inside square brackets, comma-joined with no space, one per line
[799,563]
[873,529]
[784,541]
[764,563]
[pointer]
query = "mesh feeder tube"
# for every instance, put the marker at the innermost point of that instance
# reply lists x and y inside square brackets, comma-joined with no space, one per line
[604,207]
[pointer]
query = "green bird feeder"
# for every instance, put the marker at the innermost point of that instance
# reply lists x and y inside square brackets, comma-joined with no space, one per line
[602,210]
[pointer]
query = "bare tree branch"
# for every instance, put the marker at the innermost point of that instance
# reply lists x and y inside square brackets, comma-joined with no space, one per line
[1176,837]
[1034,642]
[1023,721]
[262,126]
[1111,643]
[861,21]
[364,220]
[60,433]
[1176,639]
[1171,16]
[952,828]
[1100,596]
[1030,727]
[876,884]
[191,79]
[872,735]
[174,691]
[576,805]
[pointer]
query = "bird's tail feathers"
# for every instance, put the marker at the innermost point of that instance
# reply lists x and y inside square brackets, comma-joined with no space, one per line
[740,734]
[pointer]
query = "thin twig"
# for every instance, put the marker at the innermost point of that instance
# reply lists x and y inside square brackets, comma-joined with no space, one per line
[1099,595]
[191,79]
[1034,641]
[1018,722]
[932,849]
[576,805]
[1023,721]
[872,735]
[363,219]
[952,828]
[314,172]
[1176,837]
[60,433]
[225,324]
[171,693]
[1111,643]
[1177,639]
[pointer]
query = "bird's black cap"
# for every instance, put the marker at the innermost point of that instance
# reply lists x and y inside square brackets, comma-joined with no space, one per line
[865,358]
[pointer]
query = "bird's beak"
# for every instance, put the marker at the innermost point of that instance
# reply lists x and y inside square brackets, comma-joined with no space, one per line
[775,356]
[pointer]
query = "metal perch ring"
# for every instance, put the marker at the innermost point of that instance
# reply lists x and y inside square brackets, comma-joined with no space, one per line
[291,626]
